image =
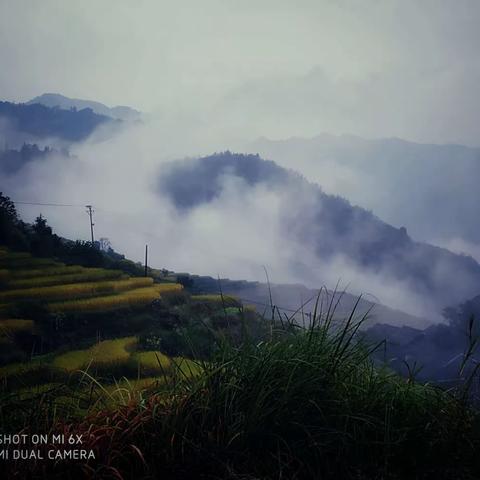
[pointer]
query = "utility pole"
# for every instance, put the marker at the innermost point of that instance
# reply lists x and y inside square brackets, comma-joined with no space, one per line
[90,214]
[146,260]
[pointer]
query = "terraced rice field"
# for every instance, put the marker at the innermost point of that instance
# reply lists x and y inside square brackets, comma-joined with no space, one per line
[100,354]
[152,360]
[108,354]
[75,289]
[12,325]
[228,300]
[84,275]
[71,288]
[131,298]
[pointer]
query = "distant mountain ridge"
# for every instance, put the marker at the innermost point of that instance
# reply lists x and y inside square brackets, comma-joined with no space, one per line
[36,121]
[57,100]
[430,189]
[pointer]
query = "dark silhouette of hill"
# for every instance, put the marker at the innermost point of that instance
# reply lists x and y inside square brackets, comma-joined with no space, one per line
[329,225]
[437,351]
[43,122]
[56,100]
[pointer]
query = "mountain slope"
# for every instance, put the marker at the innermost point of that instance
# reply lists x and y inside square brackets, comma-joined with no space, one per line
[331,230]
[39,121]
[431,189]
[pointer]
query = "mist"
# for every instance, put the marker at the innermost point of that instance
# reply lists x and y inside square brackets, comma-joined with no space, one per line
[235,235]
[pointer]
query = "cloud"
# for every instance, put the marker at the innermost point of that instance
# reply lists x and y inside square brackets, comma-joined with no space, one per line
[235,235]
[395,68]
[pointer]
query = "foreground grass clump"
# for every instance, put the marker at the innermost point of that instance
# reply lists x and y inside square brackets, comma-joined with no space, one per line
[303,404]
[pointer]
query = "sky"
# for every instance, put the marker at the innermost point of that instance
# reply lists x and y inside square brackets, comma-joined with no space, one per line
[403,68]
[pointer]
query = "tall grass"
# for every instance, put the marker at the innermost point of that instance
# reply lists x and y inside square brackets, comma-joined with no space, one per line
[306,403]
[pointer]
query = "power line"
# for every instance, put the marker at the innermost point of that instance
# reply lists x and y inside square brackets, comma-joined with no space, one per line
[48,204]
[89,208]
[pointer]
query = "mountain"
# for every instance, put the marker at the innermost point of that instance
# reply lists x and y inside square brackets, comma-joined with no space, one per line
[288,300]
[331,232]
[437,350]
[60,101]
[430,189]
[21,122]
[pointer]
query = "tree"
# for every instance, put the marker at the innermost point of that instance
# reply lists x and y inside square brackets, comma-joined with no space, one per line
[44,242]
[40,227]
[8,212]
[11,229]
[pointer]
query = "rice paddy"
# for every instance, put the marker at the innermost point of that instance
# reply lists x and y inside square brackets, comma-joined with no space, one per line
[20,368]
[152,360]
[115,355]
[131,298]
[65,290]
[228,300]
[75,290]
[107,352]
[26,262]
[13,325]
[42,272]
[87,275]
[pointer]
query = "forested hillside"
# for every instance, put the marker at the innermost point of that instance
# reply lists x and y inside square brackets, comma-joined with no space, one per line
[40,121]
[329,227]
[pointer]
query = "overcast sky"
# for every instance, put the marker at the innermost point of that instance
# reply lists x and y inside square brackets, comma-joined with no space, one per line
[375,68]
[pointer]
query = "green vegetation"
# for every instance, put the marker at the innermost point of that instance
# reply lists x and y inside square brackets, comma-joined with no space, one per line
[304,403]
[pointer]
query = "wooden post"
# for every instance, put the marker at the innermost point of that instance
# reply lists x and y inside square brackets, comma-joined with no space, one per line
[146,260]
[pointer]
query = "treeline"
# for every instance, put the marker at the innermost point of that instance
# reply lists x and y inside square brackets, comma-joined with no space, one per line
[11,160]
[40,240]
